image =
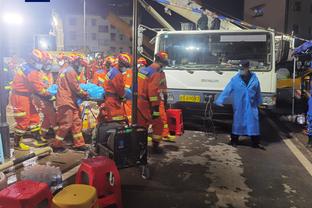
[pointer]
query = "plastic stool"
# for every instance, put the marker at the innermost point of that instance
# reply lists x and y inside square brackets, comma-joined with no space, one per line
[26,194]
[76,196]
[103,174]
[175,121]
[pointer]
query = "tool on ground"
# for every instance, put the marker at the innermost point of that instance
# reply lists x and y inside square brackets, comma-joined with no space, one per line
[127,146]
[37,152]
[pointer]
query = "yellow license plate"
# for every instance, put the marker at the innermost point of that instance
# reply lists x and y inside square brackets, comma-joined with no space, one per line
[190,98]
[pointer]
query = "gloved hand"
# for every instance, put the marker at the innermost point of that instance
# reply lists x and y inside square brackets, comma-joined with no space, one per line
[53,89]
[155,112]
[128,94]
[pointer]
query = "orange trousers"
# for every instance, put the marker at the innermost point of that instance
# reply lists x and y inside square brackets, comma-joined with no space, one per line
[69,121]
[157,126]
[49,116]
[24,112]
[128,109]
[163,116]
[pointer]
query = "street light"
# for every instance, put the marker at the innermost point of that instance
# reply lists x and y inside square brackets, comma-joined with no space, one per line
[12,18]
[43,44]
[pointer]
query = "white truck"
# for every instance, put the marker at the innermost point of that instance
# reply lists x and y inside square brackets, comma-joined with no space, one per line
[203,62]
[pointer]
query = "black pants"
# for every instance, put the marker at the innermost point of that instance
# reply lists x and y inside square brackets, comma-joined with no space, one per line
[254,139]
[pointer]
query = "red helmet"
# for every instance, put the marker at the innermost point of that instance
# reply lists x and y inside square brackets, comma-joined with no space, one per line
[125,59]
[162,57]
[142,61]
[109,61]
[74,58]
[37,55]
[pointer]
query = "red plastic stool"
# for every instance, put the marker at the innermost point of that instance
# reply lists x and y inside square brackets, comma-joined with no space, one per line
[102,174]
[26,194]
[175,121]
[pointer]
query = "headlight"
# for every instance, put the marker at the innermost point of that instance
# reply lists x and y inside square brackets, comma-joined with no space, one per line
[268,100]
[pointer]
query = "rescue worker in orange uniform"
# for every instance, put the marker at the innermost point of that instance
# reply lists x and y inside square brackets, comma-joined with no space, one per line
[83,74]
[68,114]
[113,109]
[26,83]
[99,75]
[47,106]
[149,97]
[127,77]
[162,108]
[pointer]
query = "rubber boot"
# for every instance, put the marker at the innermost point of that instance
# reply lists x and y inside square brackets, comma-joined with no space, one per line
[234,140]
[149,139]
[19,145]
[169,138]
[39,141]
[58,145]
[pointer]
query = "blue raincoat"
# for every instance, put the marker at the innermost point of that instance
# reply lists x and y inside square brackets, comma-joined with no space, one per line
[245,101]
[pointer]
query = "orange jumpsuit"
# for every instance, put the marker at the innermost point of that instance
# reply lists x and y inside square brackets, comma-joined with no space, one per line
[162,109]
[99,77]
[149,100]
[47,107]
[68,114]
[114,86]
[27,81]
[127,77]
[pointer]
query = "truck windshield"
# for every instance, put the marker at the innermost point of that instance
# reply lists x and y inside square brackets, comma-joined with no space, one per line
[221,51]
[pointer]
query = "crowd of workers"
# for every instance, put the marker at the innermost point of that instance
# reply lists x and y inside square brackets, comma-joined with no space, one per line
[30,96]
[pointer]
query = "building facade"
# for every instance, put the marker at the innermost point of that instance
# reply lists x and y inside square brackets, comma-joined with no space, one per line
[100,34]
[282,15]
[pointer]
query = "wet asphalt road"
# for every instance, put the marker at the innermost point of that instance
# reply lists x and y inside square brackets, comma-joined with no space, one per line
[200,170]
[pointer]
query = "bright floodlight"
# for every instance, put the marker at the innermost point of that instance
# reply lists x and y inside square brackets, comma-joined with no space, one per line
[12,18]
[43,44]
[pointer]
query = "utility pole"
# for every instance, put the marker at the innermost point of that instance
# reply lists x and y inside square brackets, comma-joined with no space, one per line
[4,127]
[135,65]
[84,27]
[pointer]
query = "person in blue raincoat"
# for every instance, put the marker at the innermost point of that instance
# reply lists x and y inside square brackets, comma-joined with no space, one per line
[245,95]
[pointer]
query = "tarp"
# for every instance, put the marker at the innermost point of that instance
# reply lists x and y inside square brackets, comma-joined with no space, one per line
[305,48]
[95,92]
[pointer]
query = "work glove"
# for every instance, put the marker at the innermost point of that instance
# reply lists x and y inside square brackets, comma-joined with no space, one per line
[53,89]
[155,112]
